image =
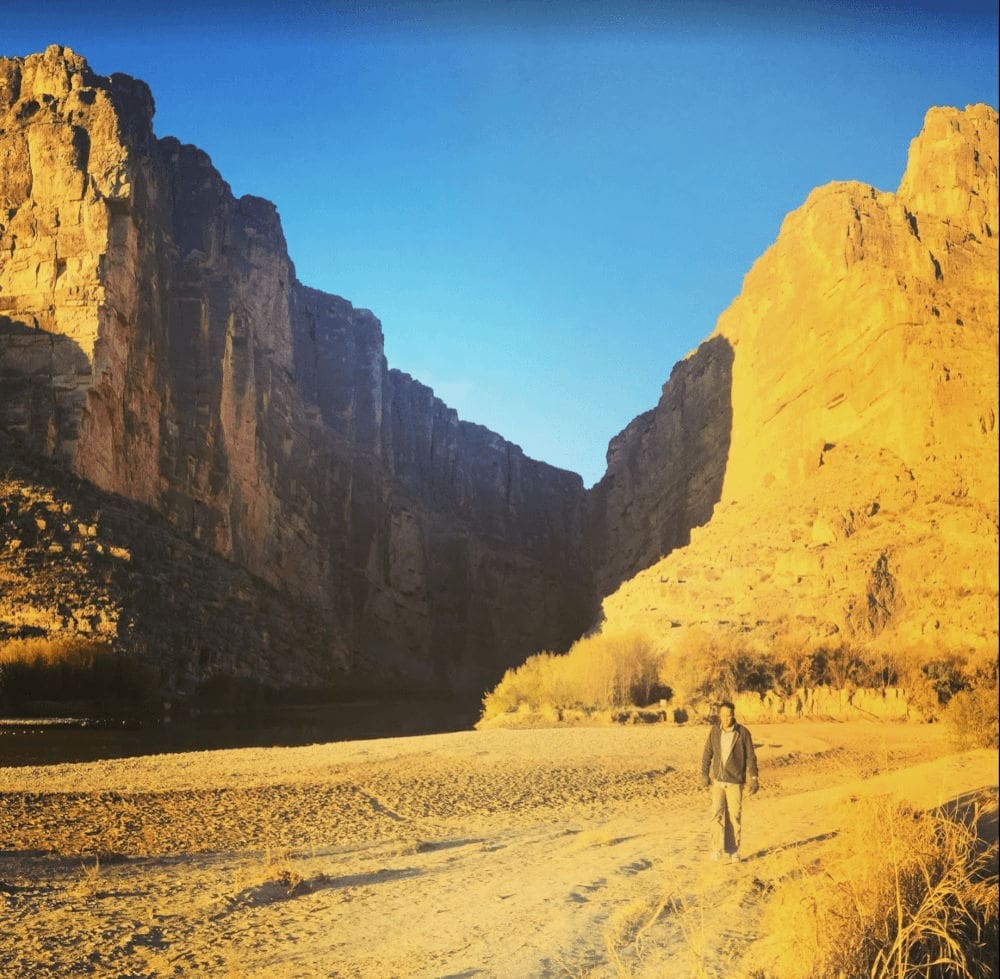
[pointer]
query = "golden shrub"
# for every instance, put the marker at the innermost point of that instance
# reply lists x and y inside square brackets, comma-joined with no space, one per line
[972,716]
[598,672]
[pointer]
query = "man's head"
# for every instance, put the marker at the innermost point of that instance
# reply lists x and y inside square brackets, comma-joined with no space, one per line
[727,715]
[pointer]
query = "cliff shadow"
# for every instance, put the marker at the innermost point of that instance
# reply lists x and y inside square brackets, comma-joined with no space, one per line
[665,469]
[44,378]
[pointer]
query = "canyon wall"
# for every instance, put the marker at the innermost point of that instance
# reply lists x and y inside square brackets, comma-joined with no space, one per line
[156,342]
[858,501]
[665,470]
[821,471]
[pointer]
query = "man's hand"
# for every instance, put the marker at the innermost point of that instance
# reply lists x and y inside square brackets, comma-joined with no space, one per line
[754,786]
[706,781]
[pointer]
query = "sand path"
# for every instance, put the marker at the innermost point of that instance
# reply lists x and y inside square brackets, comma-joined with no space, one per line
[498,853]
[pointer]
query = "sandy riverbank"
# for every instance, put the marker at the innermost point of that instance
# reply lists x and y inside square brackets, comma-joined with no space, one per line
[494,853]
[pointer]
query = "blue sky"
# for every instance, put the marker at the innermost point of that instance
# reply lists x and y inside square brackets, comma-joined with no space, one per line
[546,205]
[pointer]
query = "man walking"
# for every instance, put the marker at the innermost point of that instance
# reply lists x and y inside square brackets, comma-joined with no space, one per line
[726,763]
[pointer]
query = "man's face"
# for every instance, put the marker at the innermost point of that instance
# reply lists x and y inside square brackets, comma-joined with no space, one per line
[726,717]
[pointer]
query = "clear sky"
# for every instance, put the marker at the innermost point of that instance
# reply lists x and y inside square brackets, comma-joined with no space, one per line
[546,205]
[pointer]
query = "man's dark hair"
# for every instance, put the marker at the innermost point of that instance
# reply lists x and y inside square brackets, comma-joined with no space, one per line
[729,704]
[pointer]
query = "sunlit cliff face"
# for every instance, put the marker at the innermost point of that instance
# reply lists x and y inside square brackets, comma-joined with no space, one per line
[859,501]
[869,321]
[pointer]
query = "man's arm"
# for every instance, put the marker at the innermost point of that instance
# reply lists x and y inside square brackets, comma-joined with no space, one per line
[751,756]
[706,760]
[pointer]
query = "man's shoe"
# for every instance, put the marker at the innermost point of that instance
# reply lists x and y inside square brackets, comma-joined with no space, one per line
[734,858]
[716,855]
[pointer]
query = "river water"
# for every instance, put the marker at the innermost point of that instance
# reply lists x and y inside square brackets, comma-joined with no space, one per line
[23,743]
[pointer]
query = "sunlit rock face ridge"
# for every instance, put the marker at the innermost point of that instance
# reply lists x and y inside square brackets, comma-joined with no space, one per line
[855,500]
[155,341]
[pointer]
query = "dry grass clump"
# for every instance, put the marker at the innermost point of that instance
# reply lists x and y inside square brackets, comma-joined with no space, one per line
[89,883]
[626,929]
[50,651]
[276,875]
[599,672]
[280,867]
[69,669]
[903,894]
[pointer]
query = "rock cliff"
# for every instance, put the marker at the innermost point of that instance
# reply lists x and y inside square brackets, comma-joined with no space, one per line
[665,470]
[856,502]
[821,470]
[156,342]
[82,563]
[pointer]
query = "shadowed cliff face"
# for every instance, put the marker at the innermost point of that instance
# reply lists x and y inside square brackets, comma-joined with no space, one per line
[44,377]
[665,470]
[160,346]
[81,562]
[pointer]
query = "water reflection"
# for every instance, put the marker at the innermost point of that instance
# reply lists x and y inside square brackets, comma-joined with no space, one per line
[286,726]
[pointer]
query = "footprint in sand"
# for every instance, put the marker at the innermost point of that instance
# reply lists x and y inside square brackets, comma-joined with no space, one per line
[577,898]
[636,867]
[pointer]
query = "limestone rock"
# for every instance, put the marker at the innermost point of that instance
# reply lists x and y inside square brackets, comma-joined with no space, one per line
[859,498]
[156,341]
[665,470]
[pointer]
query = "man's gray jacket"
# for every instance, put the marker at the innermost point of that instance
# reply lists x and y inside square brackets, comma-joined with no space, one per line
[741,763]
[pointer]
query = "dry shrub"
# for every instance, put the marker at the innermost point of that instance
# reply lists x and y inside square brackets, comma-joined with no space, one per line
[694,669]
[903,894]
[796,658]
[972,716]
[538,681]
[598,672]
[276,871]
[705,667]
[279,866]
[931,679]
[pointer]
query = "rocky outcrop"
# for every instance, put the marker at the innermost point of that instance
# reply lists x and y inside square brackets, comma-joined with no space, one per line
[157,343]
[80,562]
[826,703]
[872,320]
[858,504]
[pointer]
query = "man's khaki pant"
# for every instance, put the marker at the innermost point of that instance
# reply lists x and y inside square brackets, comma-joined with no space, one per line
[727,799]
